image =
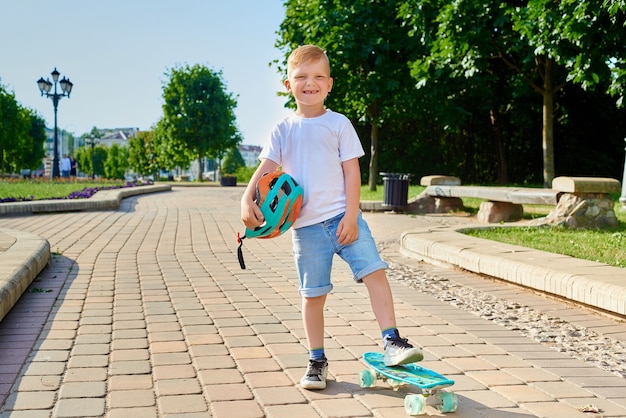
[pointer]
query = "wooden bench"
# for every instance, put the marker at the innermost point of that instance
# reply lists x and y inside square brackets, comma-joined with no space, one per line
[506,203]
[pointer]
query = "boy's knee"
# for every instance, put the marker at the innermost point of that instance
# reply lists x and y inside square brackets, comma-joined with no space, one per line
[314,300]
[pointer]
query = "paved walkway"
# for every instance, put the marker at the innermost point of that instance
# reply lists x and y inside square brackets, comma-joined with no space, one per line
[144,312]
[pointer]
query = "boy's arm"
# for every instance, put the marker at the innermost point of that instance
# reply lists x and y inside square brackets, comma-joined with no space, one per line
[348,230]
[251,215]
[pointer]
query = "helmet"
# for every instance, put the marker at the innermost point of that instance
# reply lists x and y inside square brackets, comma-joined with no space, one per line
[279,197]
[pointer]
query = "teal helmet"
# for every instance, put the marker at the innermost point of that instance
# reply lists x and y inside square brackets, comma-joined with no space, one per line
[279,197]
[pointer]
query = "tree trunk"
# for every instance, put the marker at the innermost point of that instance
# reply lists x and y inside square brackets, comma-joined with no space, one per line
[547,133]
[373,175]
[373,166]
[501,157]
[200,168]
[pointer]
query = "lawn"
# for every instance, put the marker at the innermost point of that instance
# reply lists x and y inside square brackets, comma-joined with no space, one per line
[41,189]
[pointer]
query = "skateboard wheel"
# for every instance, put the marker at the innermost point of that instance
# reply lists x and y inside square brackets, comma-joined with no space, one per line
[367,378]
[415,404]
[449,402]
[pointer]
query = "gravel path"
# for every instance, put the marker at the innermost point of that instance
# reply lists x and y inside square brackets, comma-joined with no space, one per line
[579,342]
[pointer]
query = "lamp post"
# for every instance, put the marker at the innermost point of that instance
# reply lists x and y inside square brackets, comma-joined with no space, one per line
[66,88]
[93,141]
[622,198]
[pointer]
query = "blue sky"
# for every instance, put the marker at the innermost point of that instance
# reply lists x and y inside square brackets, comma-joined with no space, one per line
[116,52]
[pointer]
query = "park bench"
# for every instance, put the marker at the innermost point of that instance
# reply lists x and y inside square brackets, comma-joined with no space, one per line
[505,204]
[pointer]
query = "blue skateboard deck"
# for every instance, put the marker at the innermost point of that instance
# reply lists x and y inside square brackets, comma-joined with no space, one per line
[428,381]
[412,374]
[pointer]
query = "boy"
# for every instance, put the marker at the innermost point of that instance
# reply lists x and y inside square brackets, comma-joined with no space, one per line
[320,150]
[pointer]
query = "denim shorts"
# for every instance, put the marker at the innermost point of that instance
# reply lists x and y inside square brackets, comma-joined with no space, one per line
[314,247]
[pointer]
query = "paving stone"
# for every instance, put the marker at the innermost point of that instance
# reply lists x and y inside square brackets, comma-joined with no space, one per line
[30,400]
[130,367]
[166,387]
[38,383]
[83,390]
[130,398]
[84,407]
[290,411]
[341,408]
[228,392]
[552,409]
[182,404]
[130,382]
[522,394]
[132,412]
[492,378]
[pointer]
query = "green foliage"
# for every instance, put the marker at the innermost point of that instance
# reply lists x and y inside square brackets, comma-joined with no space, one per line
[116,162]
[244,173]
[604,246]
[34,141]
[232,161]
[171,151]
[87,154]
[482,56]
[143,153]
[199,117]
[13,132]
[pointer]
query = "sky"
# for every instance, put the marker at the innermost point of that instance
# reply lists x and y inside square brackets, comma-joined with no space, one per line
[117,54]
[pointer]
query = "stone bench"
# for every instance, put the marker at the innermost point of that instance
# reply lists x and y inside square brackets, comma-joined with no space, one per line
[505,204]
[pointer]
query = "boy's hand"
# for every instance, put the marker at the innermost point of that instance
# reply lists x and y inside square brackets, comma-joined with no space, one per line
[347,231]
[251,214]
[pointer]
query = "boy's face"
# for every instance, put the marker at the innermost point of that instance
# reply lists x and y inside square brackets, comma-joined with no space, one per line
[310,82]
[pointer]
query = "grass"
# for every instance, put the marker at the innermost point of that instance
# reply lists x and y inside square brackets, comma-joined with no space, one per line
[604,246]
[366,194]
[41,189]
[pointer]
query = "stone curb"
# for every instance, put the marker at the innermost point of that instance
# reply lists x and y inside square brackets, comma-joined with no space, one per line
[594,284]
[103,200]
[23,255]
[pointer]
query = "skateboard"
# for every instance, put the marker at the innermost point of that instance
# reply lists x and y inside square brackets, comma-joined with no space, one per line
[427,380]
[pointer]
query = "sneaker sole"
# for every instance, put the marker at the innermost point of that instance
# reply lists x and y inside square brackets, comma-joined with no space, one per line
[313,386]
[411,358]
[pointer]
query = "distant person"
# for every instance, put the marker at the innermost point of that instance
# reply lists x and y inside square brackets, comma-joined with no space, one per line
[73,166]
[66,166]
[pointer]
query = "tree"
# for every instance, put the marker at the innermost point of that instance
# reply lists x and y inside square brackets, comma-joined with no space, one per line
[12,131]
[198,112]
[368,49]
[116,162]
[143,153]
[545,43]
[34,141]
[232,161]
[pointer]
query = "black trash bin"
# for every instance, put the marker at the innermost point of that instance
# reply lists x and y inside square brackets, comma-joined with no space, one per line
[396,190]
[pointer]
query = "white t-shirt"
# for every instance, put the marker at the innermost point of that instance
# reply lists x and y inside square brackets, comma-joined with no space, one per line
[311,150]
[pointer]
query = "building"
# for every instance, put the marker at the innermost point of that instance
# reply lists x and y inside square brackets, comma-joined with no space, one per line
[250,154]
[119,136]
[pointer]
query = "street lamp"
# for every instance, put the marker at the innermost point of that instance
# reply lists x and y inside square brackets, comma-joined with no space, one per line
[93,141]
[66,88]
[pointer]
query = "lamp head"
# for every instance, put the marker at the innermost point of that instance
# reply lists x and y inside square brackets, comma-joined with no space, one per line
[42,85]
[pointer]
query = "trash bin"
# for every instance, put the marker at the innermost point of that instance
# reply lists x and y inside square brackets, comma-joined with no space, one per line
[396,190]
